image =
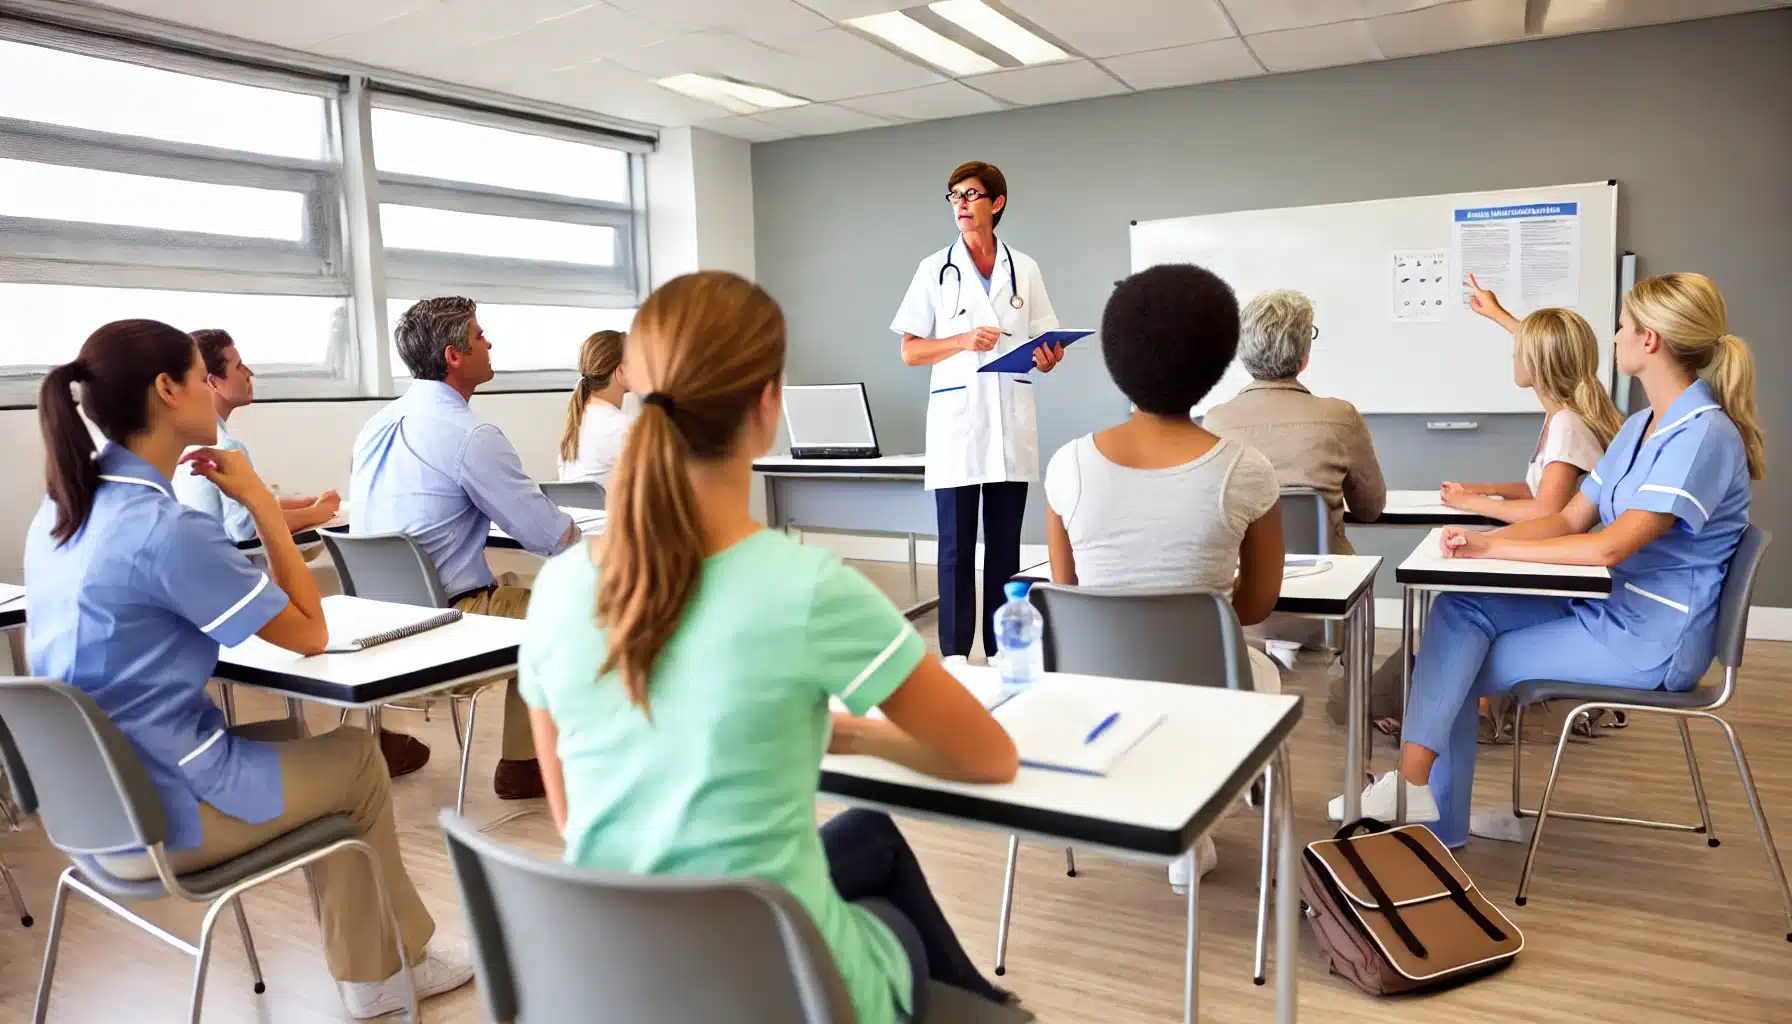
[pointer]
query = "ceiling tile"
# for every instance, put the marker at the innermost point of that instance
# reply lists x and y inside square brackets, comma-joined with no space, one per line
[1049,83]
[1592,15]
[947,99]
[1216,61]
[606,87]
[704,53]
[1320,46]
[747,128]
[425,34]
[292,24]
[835,65]
[1254,16]
[1449,27]
[758,19]
[840,10]
[818,119]
[581,37]
[1099,30]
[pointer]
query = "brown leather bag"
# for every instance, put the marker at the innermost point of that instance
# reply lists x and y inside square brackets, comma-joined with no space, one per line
[1396,913]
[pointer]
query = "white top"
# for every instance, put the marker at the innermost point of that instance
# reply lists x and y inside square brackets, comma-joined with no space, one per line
[1206,736]
[601,435]
[1174,527]
[1566,438]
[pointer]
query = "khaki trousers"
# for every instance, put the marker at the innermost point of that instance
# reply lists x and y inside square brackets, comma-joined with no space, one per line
[508,603]
[340,772]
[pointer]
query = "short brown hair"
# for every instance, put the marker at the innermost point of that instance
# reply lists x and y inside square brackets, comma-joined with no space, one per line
[212,343]
[988,175]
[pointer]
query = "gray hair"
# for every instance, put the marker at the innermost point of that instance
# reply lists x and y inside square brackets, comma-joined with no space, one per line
[427,329]
[1275,333]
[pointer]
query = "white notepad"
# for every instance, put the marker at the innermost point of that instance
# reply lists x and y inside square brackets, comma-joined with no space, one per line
[1297,566]
[1051,730]
[356,625]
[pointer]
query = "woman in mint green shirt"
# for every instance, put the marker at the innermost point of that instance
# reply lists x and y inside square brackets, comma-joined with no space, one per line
[680,668]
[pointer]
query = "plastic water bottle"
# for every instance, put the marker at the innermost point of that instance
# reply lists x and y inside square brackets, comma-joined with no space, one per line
[1019,639]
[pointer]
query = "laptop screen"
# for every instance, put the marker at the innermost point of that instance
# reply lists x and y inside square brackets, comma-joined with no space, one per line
[828,416]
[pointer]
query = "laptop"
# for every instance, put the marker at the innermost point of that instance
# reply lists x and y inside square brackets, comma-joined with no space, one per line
[829,421]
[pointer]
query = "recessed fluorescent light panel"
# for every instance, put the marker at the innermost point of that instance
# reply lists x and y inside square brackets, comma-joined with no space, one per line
[905,33]
[737,97]
[995,28]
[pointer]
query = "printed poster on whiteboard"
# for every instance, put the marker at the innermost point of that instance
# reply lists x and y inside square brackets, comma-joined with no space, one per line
[1420,286]
[1528,255]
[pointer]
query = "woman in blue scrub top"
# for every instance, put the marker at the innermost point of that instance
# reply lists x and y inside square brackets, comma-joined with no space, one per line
[132,595]
[1672,497]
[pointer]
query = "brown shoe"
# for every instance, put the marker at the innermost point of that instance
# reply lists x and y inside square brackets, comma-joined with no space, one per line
[518,780]
[404,754]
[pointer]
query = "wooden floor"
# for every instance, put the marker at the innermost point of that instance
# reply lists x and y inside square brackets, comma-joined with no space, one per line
[1623,925]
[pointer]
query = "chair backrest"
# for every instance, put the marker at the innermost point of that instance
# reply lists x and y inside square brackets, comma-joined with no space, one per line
[583,494]
[1167,635]
[1739,588]
[1306,522]
[385,567]
[553,943]
[73,768]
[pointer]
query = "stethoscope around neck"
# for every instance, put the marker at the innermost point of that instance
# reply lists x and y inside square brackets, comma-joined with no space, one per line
[1014,298]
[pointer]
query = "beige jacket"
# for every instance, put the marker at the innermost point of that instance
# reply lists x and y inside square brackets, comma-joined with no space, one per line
[1314,442]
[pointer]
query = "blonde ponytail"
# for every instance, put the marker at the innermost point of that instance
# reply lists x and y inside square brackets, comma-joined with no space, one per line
[705,346]
[1558,349]
[599,358]
[1688,312]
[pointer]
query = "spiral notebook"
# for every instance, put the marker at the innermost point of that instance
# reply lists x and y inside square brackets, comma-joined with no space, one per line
[356,625]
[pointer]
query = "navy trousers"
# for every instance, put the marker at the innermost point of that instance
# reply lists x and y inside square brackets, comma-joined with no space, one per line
[1004,505]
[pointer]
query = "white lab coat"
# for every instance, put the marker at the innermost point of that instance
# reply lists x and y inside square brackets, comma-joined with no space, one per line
[981,427]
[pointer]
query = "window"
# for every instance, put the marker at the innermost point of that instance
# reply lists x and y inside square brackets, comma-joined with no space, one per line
[539,229]
[194,196]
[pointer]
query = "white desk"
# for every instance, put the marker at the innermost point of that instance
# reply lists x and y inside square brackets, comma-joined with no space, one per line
[12,623]
[1421,508]
[1426,573]
[868,496]
[1345,594]
[590,523]
[1157,802]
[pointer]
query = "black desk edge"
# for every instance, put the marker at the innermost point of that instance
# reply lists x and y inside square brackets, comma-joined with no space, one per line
[1502,580]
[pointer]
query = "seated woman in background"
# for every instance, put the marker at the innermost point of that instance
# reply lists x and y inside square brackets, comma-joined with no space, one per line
[1555,354]
[1158,501]
[680,728]
[1671,499]
[596,423]
[132,595]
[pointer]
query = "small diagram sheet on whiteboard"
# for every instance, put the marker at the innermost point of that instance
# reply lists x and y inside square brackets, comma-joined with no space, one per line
[1421,280]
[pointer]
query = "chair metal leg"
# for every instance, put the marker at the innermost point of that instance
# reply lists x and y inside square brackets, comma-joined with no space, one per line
[1518,761]
[228,693]
[1698,784]
[1269,804]
[454,719]
[1007,907]
[1754,805]
[204,958]
[1521,811]
[1191,954]
[1070,862]
[466,751]
[41,1011]
[1549,789]
[242,924]
[12,888]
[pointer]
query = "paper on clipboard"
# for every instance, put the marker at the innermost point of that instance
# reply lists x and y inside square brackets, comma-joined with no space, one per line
[1020,358]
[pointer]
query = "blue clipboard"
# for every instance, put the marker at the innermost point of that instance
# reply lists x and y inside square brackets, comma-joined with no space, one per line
[1020,359]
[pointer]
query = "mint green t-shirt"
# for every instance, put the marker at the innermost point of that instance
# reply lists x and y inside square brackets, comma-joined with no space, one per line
[722,781]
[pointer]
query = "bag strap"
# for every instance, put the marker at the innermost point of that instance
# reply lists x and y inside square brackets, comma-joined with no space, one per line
[1370,825]
[1457,894]
[1385,905]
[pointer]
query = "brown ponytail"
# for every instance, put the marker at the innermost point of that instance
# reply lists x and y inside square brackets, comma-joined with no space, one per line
[707,344]
[116,368]
[599,358]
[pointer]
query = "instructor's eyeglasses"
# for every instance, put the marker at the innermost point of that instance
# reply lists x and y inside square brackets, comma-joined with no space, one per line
[969,195]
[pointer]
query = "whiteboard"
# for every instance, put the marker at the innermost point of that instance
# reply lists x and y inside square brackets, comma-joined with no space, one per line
[1342,257]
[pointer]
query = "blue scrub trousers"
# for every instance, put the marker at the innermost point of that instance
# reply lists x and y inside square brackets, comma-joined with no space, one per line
[1482,645]
[1004,505]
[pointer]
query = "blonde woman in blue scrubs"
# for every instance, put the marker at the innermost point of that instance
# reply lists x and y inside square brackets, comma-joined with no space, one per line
[1671,496]
[133,594]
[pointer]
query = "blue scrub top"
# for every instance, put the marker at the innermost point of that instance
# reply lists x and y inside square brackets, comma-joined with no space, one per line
[132,611]
[1663,607]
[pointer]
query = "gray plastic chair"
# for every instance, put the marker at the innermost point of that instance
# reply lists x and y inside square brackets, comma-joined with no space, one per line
[558,943]
[1166,635]
[72,767]
[1306,522]
[1699,702]
[391,567]
[583,494]
[12,824]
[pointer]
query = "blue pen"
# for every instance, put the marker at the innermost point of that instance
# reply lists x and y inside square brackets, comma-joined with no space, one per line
[1095,733]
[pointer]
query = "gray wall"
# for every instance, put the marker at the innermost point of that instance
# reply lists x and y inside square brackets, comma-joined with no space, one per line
[1693,120]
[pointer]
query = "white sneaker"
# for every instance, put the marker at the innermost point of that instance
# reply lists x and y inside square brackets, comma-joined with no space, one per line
[1379,799]
[436,973]
[1501,825]
[1208,857]
[1283,651]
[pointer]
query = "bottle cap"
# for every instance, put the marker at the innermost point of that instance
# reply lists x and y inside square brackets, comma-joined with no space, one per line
[1017,589]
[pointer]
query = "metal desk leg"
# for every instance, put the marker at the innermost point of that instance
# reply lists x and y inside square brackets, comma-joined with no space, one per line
[1358,686]
[1191,965]
[1287,898]
[914,573]
[1410,610]
[295,714]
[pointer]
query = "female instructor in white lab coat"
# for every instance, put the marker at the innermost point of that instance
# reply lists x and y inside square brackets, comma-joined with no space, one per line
[968,304]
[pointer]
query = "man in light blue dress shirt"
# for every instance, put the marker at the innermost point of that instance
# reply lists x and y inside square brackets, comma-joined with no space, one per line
[428,467]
